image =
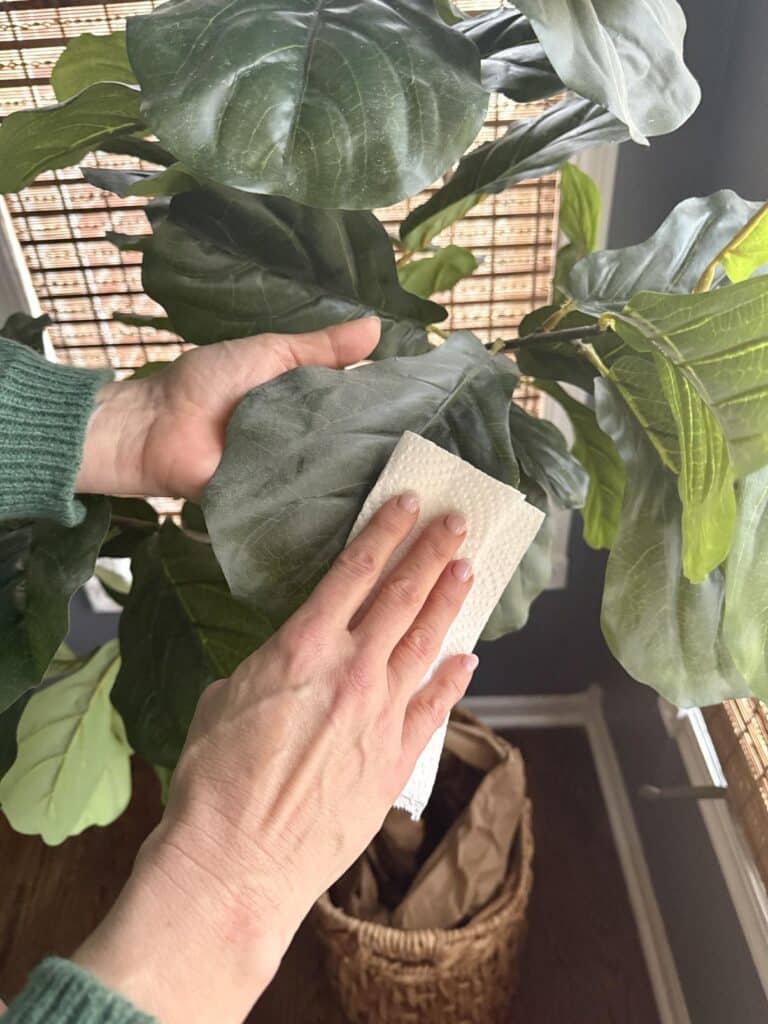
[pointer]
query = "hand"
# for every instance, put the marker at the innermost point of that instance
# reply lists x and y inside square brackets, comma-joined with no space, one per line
[164,435]
[289,769]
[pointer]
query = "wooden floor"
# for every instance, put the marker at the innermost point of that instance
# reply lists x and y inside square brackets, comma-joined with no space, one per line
[582,964]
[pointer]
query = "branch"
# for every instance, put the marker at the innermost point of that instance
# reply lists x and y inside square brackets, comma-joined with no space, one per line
[706,279]
[564,334]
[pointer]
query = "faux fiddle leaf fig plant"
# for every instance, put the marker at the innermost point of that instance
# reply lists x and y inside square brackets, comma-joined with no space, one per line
[270,132]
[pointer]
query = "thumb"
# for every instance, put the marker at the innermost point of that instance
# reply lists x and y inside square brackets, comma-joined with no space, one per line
[337,346]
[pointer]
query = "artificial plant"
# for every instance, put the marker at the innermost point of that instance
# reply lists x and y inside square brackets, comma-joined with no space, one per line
[269,130]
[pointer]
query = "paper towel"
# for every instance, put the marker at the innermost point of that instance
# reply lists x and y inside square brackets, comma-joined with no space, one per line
[501,525]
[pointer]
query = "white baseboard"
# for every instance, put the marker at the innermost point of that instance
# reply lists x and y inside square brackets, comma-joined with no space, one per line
[585,710]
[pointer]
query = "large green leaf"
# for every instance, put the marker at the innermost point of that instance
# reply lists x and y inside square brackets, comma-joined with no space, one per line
[579,208]
[531,577]
[303,451]
[597,453]
[33,141]
[671,260]
[226,264]
[528,150]
[89,59]
[705,483]
[169,182]
[748,252]
[543,454]
[626,56]
[636,376]
[346,106]
[26,329]
[664,630]
[514,61]
[555,360]
[42,564]
[746,583]
[181,630]
[719,341]
[437,273]
[72,769]
[132,521]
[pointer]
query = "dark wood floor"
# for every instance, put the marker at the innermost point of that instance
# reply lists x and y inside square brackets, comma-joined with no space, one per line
[582,964]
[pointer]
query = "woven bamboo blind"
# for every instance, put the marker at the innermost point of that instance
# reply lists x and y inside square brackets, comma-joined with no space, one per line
[739,731]
[82,280]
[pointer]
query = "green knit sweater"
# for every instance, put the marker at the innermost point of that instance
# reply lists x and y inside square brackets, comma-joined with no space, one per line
[44,412]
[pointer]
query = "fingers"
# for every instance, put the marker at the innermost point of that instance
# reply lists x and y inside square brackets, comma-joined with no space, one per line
[409,584]
[352,576]
[429,708]
[337,346]
[421,644]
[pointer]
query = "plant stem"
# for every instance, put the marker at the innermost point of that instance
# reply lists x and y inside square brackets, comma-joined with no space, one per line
[559,314]
[134,524]
[437,331]
[405,258]
[706,279]
[564,334]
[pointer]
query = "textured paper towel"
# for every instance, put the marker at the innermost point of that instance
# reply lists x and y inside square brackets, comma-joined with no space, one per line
[501,526]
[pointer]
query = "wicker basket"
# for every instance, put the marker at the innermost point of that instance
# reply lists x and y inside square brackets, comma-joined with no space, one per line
[384,975]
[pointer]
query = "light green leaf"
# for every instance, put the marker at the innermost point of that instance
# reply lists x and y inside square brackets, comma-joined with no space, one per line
[543,454]
[637,378]
[719,341]
[164,778]
[750,252]
[664,630]
[42,565]
[513,60]
[597,453]
[579,208]
[437,273]
[33,141]
[528,150]
[531,578]
[303,451]
[88,60]
[705,484]
[27,330]
[226,264]
[72,769]
[352,106]
[180,630]
[625,56]
[746,583]
[671,260]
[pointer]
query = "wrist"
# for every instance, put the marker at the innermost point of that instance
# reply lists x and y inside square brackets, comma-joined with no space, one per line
[181,944]
[116,438]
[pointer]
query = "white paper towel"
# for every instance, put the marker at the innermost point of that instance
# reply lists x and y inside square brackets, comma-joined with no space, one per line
[501,525]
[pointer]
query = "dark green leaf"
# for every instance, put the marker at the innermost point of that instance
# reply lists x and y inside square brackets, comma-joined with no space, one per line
[514,61]
[28,330]
[303,451]
[148,370]
[132,145]
[226,264]
[555,360]
[626,56]
[664,630]
[90,59]
[719,341]
[352,106]
[530,579]
[543,454]
[597,454]
[127,243]
[132,521]
[33,141]
[9,720]
[155,323]
[579,208]
[169,182]
[192,518]
[42,564]
[180,630]
[746,583]
[528,150]
[671,260]
[437,273]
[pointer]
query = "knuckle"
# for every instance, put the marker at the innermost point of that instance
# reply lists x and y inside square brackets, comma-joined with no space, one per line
[433,710]
[301,638]
[420,642]
[358,676]
[357,561]
[404,590]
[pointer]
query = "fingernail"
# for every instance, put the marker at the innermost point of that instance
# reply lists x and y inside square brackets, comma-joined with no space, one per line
[456,524]
[470,662]
[409,501]
[462,569]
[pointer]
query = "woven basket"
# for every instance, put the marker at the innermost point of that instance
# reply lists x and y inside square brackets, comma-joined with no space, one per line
[465,975]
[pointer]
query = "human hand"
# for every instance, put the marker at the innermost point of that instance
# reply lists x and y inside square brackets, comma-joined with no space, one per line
[289,769]
[164,435]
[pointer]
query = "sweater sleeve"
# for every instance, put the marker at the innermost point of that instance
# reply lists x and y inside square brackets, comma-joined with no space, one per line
[44,412]
[60,992]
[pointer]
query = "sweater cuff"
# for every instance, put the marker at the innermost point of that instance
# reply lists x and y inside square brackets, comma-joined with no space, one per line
[60,992]
[44,413]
